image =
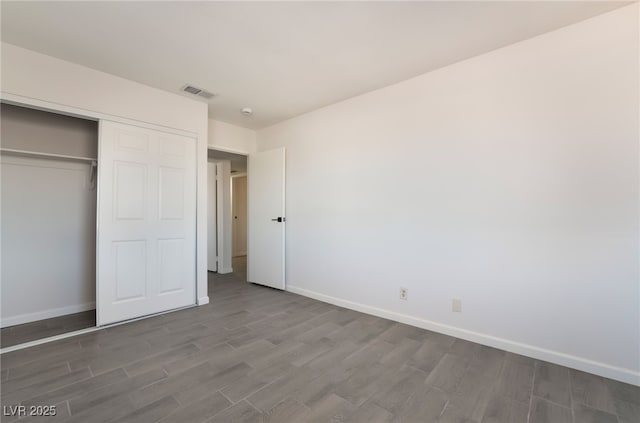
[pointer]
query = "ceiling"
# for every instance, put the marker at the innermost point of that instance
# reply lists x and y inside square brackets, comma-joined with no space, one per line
[281,59]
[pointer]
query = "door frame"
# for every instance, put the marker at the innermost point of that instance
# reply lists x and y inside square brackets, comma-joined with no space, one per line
[201,291]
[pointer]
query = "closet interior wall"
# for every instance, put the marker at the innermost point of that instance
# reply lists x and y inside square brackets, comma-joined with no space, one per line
[48,215]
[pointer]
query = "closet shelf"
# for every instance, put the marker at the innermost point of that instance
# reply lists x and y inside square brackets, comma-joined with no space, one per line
[44,155]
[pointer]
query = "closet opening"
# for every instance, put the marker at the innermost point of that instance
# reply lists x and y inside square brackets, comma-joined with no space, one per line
[48,183]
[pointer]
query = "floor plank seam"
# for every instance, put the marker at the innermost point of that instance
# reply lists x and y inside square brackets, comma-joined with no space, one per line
[180,404]
[571,400]
[252,406]
[533,384]
[551,402]
[228,399]
[227,343]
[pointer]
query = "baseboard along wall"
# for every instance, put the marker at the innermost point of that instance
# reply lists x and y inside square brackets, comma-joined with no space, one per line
[556,357]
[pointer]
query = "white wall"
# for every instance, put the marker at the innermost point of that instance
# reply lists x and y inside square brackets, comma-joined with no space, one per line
[234,139]
[509,180]
[50,83]
[48,239]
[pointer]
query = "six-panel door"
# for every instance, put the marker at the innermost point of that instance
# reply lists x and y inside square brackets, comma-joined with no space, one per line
[146,256]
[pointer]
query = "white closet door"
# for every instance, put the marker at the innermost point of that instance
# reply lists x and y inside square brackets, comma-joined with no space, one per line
[146,222]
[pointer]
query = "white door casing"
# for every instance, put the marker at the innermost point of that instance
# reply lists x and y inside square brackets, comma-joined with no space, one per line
[223,187]
[239,215]
[266,203]
[212,223]
[146,255]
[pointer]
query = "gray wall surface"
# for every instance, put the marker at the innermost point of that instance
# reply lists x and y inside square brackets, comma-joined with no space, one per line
[34,130]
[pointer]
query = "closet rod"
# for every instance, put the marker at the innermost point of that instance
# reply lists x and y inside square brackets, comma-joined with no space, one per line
[45,155]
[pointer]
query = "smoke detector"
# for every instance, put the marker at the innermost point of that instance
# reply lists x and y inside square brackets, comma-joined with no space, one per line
[198,91]
[247,111]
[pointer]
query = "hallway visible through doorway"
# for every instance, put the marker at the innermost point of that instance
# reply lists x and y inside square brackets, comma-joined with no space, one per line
[239,273]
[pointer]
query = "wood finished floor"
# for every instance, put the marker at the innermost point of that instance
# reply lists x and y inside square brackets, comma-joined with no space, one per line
[257,354]
[27,332]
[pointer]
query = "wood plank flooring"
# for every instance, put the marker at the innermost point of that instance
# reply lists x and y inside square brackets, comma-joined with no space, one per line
[256,354]
[19,334]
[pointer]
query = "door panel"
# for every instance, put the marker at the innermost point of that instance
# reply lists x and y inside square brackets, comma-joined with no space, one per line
[171,253]
[130,270]
[129,195]
[171,194]
[266,203]
[146,222]
[133,141]
[171,148]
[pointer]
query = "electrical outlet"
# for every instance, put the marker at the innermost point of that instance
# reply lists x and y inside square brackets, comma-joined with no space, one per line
[404,293]
[456,305]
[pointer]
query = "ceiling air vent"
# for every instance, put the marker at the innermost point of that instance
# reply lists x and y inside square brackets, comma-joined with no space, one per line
[198,91]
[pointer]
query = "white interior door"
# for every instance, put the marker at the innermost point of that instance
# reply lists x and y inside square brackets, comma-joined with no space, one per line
[266,221]
[146,222]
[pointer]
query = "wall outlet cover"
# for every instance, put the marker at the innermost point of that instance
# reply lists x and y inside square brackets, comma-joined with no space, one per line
[404,293]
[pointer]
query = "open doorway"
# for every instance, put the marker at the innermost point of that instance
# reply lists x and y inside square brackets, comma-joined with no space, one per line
[227,215]
[260,196]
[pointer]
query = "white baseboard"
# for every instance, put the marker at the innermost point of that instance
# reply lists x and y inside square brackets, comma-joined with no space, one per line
[203,301]
[45,314]
[224,270]
[579,363]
